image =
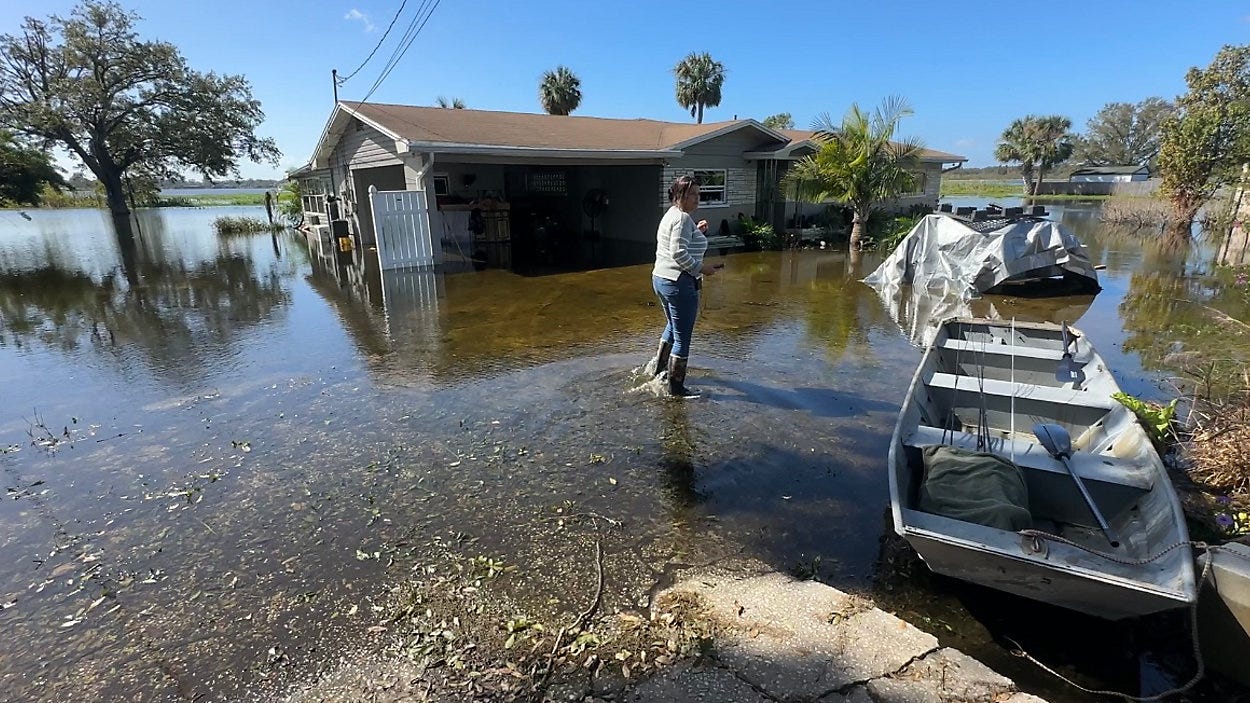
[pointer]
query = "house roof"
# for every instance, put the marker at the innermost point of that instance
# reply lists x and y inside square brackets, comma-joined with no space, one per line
[520,133]
[434,125]
[1109,170]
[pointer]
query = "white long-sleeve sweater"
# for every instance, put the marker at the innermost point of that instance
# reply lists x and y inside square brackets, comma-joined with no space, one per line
[679,246]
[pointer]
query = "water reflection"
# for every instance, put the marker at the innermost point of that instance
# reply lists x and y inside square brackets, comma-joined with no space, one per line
[180,313]
[294,408]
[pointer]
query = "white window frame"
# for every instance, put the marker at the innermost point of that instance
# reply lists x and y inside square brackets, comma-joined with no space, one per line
[443,180]
[722,189]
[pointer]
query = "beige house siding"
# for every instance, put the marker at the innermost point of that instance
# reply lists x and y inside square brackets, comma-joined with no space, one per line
[721,153]
[932,189]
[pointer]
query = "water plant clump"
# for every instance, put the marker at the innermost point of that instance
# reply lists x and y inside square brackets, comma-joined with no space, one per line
[244,225]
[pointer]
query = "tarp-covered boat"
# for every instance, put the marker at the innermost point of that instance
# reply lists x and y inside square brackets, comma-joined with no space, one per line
[980,389]
[958,257]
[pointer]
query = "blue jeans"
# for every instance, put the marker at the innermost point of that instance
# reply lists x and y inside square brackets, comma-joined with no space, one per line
[680,301]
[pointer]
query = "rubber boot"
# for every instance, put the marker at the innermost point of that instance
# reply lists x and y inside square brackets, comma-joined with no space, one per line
[677,378]
[658,363]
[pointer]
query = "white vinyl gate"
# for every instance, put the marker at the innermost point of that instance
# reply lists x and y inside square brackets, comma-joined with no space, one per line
[401,221]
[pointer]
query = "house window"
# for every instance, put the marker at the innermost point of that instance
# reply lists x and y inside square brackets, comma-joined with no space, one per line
[919,181]
[711,187]
[441,185]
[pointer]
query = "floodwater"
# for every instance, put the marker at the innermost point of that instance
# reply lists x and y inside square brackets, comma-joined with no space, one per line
[219,452]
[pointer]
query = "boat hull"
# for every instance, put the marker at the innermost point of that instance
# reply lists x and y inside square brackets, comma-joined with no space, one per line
[1039,581]
[971,370]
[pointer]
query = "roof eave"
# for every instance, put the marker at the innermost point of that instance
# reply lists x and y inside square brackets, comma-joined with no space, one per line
[539,152]
[727,129]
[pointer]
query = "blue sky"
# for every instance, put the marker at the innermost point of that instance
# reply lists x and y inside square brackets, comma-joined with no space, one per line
[968,67]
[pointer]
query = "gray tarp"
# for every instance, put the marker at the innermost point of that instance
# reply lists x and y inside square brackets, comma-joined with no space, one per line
[952,258]
[920,314]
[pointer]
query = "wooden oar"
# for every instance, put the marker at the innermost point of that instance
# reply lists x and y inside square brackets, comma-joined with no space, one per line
[1059,445]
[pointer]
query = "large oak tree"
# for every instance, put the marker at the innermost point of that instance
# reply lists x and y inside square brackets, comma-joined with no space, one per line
[1124,134]
[122,105]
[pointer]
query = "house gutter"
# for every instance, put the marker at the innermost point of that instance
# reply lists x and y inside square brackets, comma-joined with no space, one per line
[524,151]
[953,168]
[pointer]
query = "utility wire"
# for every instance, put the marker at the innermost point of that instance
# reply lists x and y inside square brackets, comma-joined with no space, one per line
[403,49]
[349,76]
[416,17]
[405,43]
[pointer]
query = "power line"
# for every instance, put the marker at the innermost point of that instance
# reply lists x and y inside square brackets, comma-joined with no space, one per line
[403,48]
[400,48]
[376,47]
[416,17]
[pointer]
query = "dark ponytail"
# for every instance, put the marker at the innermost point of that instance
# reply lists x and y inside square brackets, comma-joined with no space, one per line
[680,188]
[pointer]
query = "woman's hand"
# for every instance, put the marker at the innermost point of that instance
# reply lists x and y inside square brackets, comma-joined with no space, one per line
[709,270]
[702,226]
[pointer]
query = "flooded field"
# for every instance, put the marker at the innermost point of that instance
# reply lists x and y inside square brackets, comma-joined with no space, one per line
[218,453]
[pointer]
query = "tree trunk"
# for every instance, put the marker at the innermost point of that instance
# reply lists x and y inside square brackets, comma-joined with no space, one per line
[1027,175]
[114,192]
[857,230]
[1180,224]
[1037,184]
[700,120]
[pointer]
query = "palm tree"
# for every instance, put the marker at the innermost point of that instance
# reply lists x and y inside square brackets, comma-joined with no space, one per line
[1037,143]
[455,103]
[560,91]
[699,80]
[859,163]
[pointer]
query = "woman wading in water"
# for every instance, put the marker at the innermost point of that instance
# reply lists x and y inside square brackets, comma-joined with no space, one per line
[677,278]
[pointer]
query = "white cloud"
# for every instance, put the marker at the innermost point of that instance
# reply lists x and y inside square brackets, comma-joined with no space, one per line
[965,143]
[356,15]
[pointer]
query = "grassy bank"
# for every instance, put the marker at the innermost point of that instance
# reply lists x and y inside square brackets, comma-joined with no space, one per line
[998,189]
[63,201]
[991,189]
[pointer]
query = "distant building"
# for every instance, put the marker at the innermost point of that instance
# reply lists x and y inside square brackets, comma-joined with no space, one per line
[1110,174]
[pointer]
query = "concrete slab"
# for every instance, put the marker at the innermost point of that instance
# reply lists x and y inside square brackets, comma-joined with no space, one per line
[692,684]
[783,639]
[944,675]
[802,639]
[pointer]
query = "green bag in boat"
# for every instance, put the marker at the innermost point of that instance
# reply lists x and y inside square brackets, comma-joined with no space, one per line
[974,487]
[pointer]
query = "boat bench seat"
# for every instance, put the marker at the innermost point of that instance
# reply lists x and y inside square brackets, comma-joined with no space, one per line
[1022,391]
[1031,455]
[963,346]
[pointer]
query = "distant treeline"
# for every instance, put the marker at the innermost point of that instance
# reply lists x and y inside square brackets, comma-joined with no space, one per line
[80,182]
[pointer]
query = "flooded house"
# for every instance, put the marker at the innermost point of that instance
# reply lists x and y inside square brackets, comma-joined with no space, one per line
[536,192]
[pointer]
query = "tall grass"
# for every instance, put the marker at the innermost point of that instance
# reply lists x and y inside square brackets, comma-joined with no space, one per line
[244,225]
[992,189]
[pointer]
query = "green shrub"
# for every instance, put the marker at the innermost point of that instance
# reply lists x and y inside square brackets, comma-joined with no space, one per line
[758,235]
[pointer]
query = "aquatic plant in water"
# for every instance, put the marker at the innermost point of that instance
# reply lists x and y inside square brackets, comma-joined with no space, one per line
[1156,419]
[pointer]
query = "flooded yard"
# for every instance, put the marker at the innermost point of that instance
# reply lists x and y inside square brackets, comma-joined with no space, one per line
[220,452]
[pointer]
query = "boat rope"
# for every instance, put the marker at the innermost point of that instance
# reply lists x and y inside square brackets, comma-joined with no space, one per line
[1038,535]
[1013,390]
[1208,551]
